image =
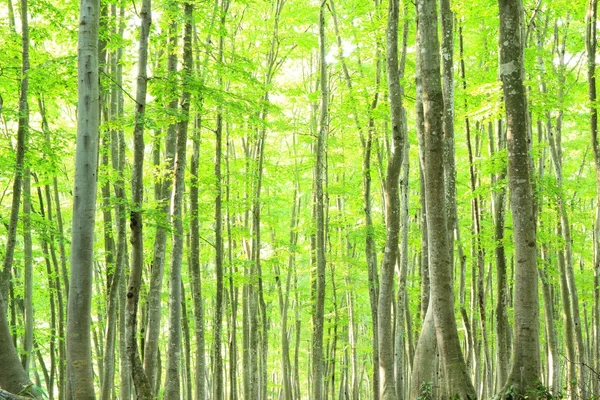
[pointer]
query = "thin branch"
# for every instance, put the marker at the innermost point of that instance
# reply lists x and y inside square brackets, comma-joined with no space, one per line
[120,87]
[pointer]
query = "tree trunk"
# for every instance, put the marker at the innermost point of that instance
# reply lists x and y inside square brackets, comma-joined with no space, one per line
[218,386]
[591,43]
[499,210]
[199,383]
[367,144]
[12,376]
[28,278]
[387,387]
[424,368]
[22,144]
[400,345]
[142,385]
[442,294]
[163,193]
[172,384]
[525,367]
[319,299]
[80,378]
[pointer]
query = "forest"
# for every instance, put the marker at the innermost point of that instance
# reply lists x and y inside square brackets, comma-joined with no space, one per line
[292,199]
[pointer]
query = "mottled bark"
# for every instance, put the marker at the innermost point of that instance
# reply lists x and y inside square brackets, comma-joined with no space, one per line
[200,365]
[387,387]
[142,385]
[218,386]
[26,359]
[318,307]
[499,211]
[525,367]
[172,379]
[458,382]
[163,195]
[591,41]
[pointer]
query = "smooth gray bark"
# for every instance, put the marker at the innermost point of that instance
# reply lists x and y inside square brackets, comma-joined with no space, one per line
[80,378]
[457,380]
[525,366]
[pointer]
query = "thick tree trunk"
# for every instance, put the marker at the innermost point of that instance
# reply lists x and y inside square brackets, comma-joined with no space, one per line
[525,367]
[80,378]
[424,368]
[442,294]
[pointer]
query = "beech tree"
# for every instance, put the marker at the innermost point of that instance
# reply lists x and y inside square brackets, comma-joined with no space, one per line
[347,202]
[525,365]
[80,377]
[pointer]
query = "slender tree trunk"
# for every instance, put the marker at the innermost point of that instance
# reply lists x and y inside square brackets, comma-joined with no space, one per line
[22,144]
[525,367]
[400,346]
[319,299]
[502,324]
[591,43]
[27,358]
[387,387]
[200,366]
[553,363]
[447,49]
[108,362]
[172,384]
[164,198]
[119,150]
[80,378]
[54,275]
[114,287]
[12,376]
[218,386]
[187,359]
[284,302]
[233,292]
[53,284]
[142,385]
[367,144]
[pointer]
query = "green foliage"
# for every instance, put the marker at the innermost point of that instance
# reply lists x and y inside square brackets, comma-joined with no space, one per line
[426,392]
